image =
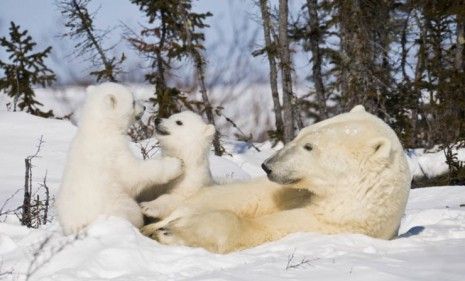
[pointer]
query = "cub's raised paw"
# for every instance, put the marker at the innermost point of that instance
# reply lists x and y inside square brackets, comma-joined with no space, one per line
[172,167]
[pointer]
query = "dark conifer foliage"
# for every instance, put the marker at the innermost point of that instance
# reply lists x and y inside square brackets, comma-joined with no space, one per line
[403,60]
[24,70]
[165,40]
[174,34]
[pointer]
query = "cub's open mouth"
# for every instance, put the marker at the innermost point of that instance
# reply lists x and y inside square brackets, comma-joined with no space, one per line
[161,131]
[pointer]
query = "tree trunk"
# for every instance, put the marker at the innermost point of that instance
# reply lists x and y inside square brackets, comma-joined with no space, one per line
[315,39]
[460,51]
[26,218]
[419,70]
[199,65]
[404,50]
[289,103]
[382,31]
[91,37]
[162,95]
[271,54]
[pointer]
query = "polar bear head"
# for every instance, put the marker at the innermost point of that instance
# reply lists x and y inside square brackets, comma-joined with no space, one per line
[184,135]
[351,150]
[111,105]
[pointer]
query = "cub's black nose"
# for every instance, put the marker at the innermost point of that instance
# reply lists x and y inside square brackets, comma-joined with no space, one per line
[157,121]
[266,169]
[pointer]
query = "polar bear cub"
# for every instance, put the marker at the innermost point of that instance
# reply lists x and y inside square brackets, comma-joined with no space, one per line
[102,176]
[185,136]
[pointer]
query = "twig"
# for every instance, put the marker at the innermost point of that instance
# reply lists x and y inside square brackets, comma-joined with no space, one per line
[247,139]
[291,265]
[6,202]
[47,198]
[26,216]
[35,265]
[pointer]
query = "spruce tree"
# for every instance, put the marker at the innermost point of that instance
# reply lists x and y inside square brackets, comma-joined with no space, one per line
[175,34]
[25,69]
[89,40]
[166,40]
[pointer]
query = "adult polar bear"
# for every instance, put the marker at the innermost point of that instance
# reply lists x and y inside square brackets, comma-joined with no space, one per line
[345,174]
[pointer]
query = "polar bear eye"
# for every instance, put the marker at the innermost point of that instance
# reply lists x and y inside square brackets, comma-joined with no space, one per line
[308,147]
[179,123]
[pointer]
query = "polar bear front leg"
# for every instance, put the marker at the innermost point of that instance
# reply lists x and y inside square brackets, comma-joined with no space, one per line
[143,174]
[162,206]
[224,231]
[216,231]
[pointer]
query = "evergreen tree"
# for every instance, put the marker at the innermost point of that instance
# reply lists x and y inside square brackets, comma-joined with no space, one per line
[193,42]
[25,69]
[174,34]
[164,41]
[89,40]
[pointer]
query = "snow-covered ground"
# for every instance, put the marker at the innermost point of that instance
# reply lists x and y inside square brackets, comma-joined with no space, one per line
[432,246]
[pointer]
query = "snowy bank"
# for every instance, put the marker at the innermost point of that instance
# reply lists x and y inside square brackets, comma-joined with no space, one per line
[432,247]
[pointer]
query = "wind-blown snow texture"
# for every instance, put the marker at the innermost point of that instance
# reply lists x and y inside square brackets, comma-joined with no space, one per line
[432,246]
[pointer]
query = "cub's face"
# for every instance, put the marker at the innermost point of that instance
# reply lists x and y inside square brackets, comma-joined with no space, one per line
[184,133]
[322,157]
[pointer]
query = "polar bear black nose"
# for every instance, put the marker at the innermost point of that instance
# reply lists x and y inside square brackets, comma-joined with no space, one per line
[157,120]
[266,169]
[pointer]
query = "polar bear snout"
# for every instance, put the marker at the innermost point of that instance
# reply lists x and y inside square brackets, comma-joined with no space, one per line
[266,168]
[161,131]
[280,167]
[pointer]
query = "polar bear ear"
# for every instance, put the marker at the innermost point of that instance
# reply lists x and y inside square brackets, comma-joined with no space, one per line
[381,148]
[90,89]
[210,130]
[111,102]
[358,108]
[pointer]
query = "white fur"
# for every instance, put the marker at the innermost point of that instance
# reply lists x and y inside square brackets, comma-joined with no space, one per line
[102,176]
[355,178]
[187,137]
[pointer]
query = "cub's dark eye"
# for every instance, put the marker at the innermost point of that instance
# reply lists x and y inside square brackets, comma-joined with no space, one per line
[308,147]
[179,123]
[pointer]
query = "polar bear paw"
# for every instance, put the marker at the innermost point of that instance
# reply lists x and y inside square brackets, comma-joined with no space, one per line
[216,231]
[149,210]
[160,207]
[172,168]
[162,234]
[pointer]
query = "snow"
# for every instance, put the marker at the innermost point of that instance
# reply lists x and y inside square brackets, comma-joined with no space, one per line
[430,164]
[432,246]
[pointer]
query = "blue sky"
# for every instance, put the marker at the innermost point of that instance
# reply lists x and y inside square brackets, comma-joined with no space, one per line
[44,22]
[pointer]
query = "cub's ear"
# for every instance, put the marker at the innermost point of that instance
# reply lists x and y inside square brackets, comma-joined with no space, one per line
[380,148]
[358,108]
[111,101]
[210,130]
[90,89]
